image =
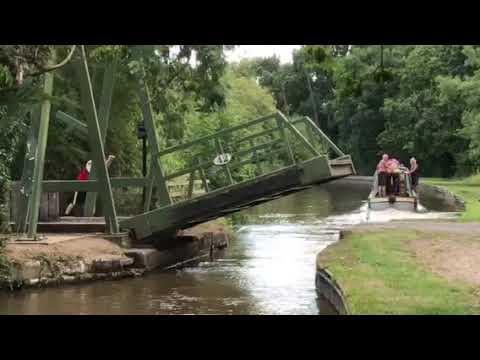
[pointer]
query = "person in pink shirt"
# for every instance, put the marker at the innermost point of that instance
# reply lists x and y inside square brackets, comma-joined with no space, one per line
[382,171]
[393,177]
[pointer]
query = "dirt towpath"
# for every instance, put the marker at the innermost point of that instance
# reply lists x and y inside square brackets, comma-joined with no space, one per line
[88,248]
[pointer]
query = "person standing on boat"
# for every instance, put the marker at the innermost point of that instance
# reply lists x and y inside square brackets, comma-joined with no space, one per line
[414,175]
[382,171]
[393,178]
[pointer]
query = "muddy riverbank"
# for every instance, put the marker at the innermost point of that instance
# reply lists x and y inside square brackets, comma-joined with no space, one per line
[63,259]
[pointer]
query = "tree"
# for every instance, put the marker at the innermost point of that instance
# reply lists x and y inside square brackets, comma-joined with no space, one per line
[177,84]
[420,121]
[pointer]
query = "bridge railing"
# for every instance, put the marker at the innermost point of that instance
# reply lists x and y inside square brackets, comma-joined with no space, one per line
[257,147]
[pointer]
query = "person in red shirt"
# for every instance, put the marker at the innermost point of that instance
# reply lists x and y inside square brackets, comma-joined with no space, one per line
[84,176]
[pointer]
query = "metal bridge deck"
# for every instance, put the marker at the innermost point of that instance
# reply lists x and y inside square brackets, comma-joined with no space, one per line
[152,225]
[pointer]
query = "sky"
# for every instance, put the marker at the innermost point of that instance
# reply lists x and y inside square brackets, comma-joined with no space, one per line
[284,52]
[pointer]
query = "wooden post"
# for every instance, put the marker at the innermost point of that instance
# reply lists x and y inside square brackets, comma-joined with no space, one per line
[96,145]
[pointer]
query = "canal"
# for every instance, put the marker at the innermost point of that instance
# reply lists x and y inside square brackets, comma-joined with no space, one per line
[268,269]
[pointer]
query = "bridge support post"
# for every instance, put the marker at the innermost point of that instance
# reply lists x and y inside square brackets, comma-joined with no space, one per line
[148,194]
[38,140]
[283,134]
[96,145]
[103,118]
[23,203]
[219,147]
[298,134]
[191,183]
[157,171]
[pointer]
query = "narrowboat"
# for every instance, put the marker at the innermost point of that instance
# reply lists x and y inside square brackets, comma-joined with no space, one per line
[406,199]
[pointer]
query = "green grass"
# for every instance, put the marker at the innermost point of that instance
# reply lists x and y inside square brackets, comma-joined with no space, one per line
[468,189]
[381,276]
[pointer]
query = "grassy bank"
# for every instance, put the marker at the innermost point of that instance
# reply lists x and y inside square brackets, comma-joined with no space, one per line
[468,189]
[381,274]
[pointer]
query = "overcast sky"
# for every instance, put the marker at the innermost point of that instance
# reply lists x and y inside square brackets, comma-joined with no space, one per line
[284,52]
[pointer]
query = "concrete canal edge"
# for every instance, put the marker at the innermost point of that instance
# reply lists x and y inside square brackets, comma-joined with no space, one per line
[47,271]
[451,201]
[327,286]
[192,248]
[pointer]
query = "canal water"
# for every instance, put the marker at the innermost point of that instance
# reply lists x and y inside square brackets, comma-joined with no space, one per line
[268,269]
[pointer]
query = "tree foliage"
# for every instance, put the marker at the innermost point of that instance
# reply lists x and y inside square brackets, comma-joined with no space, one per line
[413,100]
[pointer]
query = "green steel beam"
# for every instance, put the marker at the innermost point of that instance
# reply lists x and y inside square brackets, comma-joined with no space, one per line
[204,178]
[262,156]
[256,158]
[103,118]
[256,148]
[226,168]
[254,136]
[157,170]
[34,201]
[217,134]
[148,196]
[96,146]
[308,128]
[298,134]
[188,170]
[325,137]
[191,183]
[209,163]
[72,122]
[84,186]
[25,194]
[283,134]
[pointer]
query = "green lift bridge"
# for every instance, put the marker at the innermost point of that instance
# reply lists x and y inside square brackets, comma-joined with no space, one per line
[282,157]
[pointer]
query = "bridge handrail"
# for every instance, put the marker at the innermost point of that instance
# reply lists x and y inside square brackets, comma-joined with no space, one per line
[215,135]
[282,125]
[307,121]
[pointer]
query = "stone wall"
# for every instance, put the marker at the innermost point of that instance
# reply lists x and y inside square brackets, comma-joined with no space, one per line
[42,270]
[449,201]
[51,271]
